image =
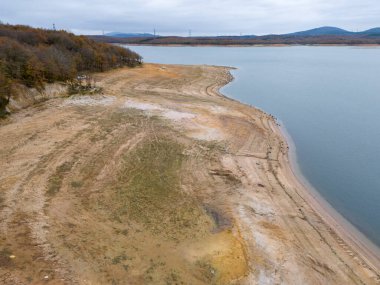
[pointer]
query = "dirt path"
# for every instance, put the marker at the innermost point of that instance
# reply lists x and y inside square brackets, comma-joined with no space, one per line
[160,180]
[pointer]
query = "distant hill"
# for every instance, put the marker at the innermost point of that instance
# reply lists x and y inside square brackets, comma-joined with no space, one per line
[322,31]
[371,32]
[333,31]
[236,37]
[128,35]
[318,36]
[147,35]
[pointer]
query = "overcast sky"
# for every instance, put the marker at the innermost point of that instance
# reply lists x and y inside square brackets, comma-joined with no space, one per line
[203,17]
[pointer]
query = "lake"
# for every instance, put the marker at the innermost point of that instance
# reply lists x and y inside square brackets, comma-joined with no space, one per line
[328,98]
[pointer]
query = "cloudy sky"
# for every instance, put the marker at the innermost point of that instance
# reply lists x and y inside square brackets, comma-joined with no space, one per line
[203,17]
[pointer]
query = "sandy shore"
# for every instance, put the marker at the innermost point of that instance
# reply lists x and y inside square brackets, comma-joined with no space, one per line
[345,230]
[346,234]
[163,180]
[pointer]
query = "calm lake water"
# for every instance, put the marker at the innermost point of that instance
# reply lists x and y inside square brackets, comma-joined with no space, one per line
[328,98]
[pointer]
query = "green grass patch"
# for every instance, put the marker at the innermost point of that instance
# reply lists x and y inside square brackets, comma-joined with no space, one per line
[76,184]
[119,258]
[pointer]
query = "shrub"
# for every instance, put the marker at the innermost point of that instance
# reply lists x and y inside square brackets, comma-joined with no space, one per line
[32,57]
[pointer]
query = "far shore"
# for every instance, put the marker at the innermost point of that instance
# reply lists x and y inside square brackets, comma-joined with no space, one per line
[255,45]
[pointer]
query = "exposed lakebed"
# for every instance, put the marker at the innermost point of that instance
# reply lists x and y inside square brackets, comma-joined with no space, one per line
[328,98]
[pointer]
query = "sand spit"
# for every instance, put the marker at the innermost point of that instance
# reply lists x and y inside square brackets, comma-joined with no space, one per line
[162,180]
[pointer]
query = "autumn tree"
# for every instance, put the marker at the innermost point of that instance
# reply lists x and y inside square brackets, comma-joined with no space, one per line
[34,56]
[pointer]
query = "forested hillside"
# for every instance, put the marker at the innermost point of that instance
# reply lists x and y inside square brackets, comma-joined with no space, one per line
[33,57]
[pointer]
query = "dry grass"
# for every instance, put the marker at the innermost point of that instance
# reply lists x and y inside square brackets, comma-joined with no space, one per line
[5,259]
[148,190]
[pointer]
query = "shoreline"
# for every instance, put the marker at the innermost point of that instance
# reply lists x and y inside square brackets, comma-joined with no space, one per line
[336,223]
[246,218]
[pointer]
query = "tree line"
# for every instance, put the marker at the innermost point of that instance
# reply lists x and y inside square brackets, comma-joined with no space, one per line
[33,57]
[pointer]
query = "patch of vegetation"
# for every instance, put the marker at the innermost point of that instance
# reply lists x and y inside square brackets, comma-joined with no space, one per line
[208,271]
[5,92]
[31,57]
[119,258]
[151,173]
[2,200]
[151,272]
[55,181]
[173,278]
[84,84]
[124,232]
[76,184]
[5,259]
[148,189]
[213,146]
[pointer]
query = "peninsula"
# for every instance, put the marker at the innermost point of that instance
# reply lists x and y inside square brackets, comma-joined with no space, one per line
[160,179]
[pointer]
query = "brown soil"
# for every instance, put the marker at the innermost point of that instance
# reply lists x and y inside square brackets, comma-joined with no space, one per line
[160,180]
